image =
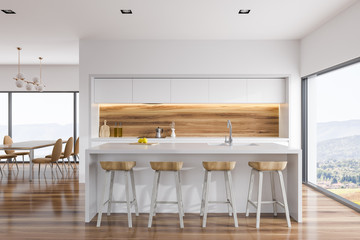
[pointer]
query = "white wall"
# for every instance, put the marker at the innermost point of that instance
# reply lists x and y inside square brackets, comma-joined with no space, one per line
[188,57]
[335,42]
[55,77]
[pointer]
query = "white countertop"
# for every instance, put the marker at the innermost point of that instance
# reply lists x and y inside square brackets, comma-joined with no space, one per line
[194,140]
[192,148]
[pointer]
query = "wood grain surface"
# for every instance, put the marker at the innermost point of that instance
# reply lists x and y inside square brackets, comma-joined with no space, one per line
[193,120]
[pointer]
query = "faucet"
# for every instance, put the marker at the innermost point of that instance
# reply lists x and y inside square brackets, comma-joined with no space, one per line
[229,140]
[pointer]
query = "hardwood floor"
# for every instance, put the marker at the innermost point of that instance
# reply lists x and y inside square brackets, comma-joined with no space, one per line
[53,208]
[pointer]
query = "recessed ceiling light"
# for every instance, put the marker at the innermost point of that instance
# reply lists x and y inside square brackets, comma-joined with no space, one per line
[126,11]
[244,11]
[8,11]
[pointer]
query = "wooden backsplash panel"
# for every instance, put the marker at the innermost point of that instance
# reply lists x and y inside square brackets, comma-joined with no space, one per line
[194,120]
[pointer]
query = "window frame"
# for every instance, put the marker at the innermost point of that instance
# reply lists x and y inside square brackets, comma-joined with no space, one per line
[304,133]
[10,110]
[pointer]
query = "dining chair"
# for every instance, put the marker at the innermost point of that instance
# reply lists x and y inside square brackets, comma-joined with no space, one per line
[67,152]
[8,157]
[7,141]
[75,154]
[54,157]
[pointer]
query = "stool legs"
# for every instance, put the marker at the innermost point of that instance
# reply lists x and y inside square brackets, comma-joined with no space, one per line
[232,198]
[127,194]
[227,188]
[203,194]
[112,173]
[259,196]
[284,198]
[134,192]
[206,197]
[251,186]
[153,197]
[101,204]
[179,200]
[154,201]
[258,209]
[109,183]
[273,193]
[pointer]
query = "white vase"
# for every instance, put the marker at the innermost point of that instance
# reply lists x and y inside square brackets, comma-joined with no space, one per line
[173,135]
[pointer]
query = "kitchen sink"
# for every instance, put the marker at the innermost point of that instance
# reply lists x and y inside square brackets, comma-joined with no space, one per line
[234,144]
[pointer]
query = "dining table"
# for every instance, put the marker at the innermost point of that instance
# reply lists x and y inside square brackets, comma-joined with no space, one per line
[30,146]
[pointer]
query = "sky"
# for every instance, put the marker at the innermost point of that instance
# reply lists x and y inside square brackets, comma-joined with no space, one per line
[338,94]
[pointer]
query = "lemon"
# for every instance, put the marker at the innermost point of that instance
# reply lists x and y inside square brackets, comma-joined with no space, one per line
[141,140]
[144,140]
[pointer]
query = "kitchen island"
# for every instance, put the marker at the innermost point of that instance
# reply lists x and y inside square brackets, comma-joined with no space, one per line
[192,154]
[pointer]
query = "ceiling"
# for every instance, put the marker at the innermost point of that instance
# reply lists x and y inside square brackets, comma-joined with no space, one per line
[52,29]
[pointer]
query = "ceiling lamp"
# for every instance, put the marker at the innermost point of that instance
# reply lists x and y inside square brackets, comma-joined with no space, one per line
[20,78]
[39,86]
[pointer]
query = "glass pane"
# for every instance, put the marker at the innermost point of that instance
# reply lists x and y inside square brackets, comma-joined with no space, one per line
[3,115]
[42,116]
[334,132]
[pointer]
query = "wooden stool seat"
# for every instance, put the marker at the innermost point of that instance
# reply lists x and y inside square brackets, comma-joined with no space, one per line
[268,166]
[166,166]
[7,156]
[117,166]
[219,166]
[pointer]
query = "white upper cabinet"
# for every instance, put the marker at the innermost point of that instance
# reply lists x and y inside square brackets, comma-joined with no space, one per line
[151,91]
[189,91]
[113,91]
[266,90]
[227,91]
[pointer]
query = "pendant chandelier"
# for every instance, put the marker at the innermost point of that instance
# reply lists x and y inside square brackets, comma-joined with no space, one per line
[36,81]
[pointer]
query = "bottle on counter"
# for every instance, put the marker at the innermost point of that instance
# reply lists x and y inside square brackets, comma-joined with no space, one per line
[119,130]
[115,130]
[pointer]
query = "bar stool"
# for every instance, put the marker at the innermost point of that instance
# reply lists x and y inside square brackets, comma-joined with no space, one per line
[110,168]
[271,167]
[160,167]
[226,167]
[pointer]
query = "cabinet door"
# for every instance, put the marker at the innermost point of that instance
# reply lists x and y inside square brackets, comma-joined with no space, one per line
[227,91]
[266,90]
[113,90]
[151,91]
[189,91]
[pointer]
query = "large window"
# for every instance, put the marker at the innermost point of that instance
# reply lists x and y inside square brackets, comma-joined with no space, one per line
[39,116]
[4,114]
[333,132]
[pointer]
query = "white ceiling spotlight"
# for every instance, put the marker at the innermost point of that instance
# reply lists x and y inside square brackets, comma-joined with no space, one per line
[20,78]
[126,11]
[244,11]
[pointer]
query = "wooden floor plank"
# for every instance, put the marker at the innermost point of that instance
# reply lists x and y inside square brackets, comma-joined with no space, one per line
[53,208]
